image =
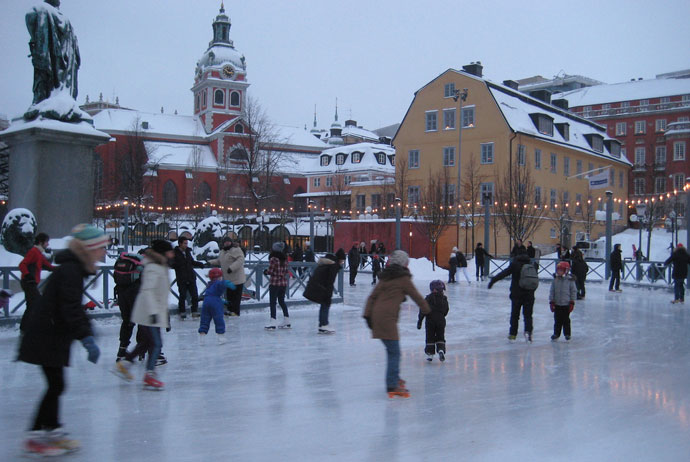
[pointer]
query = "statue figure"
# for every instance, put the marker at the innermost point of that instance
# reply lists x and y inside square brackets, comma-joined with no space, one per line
[55,57]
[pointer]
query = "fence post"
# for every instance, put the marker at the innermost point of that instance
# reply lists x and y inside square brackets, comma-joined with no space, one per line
[105,273]
[6,285]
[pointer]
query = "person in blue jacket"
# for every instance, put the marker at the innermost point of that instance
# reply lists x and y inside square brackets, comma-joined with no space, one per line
[214,306]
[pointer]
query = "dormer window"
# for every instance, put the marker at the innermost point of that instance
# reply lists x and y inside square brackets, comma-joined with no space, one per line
[596,141]
[381,158]
[564,130]
[391,158]
[614,147]
[340,158]
[544,123]
[356,157]
[325,160]
[239,128]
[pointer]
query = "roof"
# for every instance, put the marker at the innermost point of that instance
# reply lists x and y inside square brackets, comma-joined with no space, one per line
[164,125]
[180,155]
[296,136]
[368,161]
[626,91]
[351,130]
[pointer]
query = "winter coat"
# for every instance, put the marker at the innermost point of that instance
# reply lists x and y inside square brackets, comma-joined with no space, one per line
[233,260]
[531,251]
[517,249]
[616,260]
[479,256]
[462,261]
[59,316]
[680,260]
[383,304]
[563,290]
[309,256]
[381,249]
[353,257]
[453,262]
[320,286]
[278,270]
[516,292]
[580,268]
[33,263]
[375,264]
[184,265]
[297,254]
[438,304]
[151,304]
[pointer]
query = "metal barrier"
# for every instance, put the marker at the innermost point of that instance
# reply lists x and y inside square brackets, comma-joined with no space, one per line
[102,284]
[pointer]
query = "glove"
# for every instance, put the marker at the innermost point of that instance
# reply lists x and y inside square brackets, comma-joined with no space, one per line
[265,272]
[552,305]
[92,349]
[229,271]
[168,329]
[491,283]
[230,285]
[419,324]
[572,307]
[368,320]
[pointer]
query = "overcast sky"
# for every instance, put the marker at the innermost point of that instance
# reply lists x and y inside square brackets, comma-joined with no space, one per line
[372,55]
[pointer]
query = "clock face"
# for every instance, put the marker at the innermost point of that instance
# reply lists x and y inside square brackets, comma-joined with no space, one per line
[228,71]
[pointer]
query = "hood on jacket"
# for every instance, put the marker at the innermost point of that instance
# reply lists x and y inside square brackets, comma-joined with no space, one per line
[328,259]
[393,272]
[155,257]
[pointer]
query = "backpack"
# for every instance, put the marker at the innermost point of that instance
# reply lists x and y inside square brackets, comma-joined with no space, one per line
[127,270]
[529,279]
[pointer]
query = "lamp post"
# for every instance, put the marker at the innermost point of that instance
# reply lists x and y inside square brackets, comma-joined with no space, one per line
[310,205]
[609,231]
[327,216]
[487,235]
[687,215]
[397,223]
[125,239]
[459,97]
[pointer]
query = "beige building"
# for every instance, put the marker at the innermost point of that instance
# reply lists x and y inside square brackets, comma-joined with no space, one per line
[505,131]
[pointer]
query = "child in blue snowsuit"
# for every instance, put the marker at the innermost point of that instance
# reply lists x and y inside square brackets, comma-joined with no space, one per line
[214,306]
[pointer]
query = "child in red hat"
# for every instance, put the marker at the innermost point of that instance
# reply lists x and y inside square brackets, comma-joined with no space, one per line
[214,305]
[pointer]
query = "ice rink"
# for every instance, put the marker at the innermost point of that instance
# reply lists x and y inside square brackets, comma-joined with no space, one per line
[618,391]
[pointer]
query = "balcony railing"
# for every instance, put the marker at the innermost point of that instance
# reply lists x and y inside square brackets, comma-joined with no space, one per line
[593,114]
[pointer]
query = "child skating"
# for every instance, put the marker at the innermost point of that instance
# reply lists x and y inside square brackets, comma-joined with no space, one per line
[562,300]
[435,321]
[213,306]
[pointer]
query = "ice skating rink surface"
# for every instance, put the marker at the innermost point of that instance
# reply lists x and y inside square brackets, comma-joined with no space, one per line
[619,390]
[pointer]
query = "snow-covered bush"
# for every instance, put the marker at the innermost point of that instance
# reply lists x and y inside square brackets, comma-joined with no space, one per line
[209,229]
[208,252]
[18,231]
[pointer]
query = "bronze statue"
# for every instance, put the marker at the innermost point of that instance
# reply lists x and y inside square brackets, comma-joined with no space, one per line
[55,57]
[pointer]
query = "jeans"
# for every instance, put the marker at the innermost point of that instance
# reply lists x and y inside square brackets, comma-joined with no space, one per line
[615,279]
[323,313]
[679,289]
[393,364]
[47,414]
[150,342]
[480,271]
[277,293]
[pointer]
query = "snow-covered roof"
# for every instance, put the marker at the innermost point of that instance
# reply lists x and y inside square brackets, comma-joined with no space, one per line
[517,107]
[351,130]
[296,136]
[626,91]
[121,121]
[368,160]
[181,155]
[220,54]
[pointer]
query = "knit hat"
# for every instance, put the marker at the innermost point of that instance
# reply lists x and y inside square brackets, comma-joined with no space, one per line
[278,247]
[340,254]
[455,249]
[399,257]
[161,246]
[92,237]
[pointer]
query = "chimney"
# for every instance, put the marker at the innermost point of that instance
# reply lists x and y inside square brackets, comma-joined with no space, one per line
[561,103]
[350,123]
[474,68]
[542,95]
[511,84]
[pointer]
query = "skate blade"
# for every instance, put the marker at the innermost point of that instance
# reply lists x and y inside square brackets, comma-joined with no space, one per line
[152,388]
[284,327]
[393,395]
[270,328]
[326,332]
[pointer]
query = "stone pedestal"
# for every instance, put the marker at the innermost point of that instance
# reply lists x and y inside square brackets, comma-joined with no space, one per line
[52,172]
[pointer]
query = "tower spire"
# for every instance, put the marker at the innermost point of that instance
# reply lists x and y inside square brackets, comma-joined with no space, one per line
[315,116]
[336,109]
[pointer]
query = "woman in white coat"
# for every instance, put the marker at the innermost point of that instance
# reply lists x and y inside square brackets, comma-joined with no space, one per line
[150,312]
[231,262]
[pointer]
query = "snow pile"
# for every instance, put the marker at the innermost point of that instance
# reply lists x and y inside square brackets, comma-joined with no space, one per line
[18,230]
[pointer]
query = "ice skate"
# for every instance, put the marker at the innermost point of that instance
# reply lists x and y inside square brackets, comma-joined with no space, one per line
[195,315]
[285,324]
[202,338]
[326,330]
[122,370]
[271,325]
[221,339]
[58,437]
[37,443]
[528,337]
[183,316]
[398,392]
[442,356]
[429,357]
[554,337]
[151,382]
[161,361]
[512,337]
[567,337]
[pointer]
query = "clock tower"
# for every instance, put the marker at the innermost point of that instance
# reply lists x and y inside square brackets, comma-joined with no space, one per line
[220,81]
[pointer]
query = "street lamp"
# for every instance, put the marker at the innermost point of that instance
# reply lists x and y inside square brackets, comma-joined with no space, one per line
[327,216]
[126,236]
[459,97]
[310,205]
[397,223]
[486,199]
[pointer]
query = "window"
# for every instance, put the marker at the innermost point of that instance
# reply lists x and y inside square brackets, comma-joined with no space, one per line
[566,198]
[239,128]
[564,130]
[679,151]
[639,186]
[381,158]
[537,159]
[554,163]
[587,111]
[620,179]
[449,195]
[376,201]
[219,97]
[521,154]
[578,167]
[169,194]
[578,203]
[644,102]
[612,177]
[329,181]
[621,128]
[660,125]
[660,158]
[659,185]
[340,158]
[487,191]
[203,98]
[413,194]
[553,197]
[623,153]
[606,106]
[683,119]
[468,117]
[449,119]
[356,157]
[545,126]
[325,160]
[203,192]
[449,90]
[448,156]
[234,99]
[552,233]
[196,104]
[590,167]
[347,179]
[640,127]
[431,121]
[685,98]
[625,104]
[360,202]
[522,189]
[413,159]
[678,181]
[487,153]
[639,157]
[665,100]
[566,166]
[537,195]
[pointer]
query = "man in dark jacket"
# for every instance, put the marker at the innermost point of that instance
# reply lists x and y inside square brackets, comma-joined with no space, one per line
[521,299]
[320,286]
[480,256]
[616,268]
[580,270]
[184,265]
[680,260]
[517,248]
[298,255]
[353,261]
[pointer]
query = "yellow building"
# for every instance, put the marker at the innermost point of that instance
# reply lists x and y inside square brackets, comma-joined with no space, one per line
[511,144]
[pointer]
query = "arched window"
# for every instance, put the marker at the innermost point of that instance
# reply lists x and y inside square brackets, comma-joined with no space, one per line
[169,194]
[203,192]
[238,155]
[239,128]
[234,98]
[219,97]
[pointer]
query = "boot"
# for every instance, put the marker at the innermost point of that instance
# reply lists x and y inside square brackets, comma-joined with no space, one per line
[38,443]
[151,382]
[202,338]
[221,339]
[59,438]
[271,325]
[398,392]
[122,370]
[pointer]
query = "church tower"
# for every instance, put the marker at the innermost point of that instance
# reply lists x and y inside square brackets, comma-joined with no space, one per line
[220,81]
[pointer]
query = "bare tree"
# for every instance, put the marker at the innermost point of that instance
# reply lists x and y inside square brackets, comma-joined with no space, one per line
[471,187]
[401,180]
[589,215]
[436,209]
[338,200]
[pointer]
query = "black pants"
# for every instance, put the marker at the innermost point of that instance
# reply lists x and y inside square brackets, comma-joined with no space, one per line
[32,297]
[451,273]
[125,300]
[615,278]
[435,336]
[526,304]
[580,284]
[184,288]
[480,271]
[561,319]
[353,274]
[234,298]
[374,275]
[47,413]
[277,293]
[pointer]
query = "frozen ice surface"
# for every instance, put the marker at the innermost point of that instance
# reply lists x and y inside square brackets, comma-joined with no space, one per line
[619,390]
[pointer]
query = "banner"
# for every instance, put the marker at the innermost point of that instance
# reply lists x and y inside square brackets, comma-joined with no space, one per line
[600,180]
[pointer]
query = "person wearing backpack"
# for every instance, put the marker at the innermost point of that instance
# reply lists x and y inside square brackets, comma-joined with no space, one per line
[127,276]
[522,286]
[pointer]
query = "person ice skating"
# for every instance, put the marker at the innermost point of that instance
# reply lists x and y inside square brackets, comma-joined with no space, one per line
[616,268]
[381,314]
[150,313]
[309,253]
[452,265]
[375,268]
[278,272]
[30,268]
[127,276]
[517,248]
[480,256]
[184,265]
[362,254]
[462,265]
[435,321]
[680,260]
[562,300]
[320,286]
[353,262]
[213,305]
[522,287]
[298,256]
[231,262]
[58,319]
[579,271]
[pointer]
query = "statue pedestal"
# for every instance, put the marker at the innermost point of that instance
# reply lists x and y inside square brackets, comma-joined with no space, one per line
[52,171]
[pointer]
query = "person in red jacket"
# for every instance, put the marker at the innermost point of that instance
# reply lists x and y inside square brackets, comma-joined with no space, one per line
[31,266]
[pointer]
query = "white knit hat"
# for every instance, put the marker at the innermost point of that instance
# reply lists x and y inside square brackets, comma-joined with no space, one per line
[399,257]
